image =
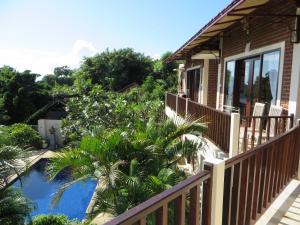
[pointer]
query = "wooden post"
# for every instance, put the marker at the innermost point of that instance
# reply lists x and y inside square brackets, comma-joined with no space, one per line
[179,210]
[292,121]
[217,190]
[234,135]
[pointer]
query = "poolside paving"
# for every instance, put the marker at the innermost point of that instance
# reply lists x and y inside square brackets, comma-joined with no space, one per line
[33,157]
[102,218]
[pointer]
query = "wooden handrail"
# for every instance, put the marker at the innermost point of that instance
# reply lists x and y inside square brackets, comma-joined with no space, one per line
[181,106]
[218,122]
[266,117]
[171,101]
[211,108]
[258,129]
[253,179]
[240,157]
[218,127]
[140,212]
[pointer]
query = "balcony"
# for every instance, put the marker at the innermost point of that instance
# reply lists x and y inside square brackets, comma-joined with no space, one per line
[236,191]
[232,133]
[218,122]
[239,189]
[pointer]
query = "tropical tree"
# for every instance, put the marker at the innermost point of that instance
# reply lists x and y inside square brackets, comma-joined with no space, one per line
[101,109]
[166,71]
[62,77]
[11,158]
[114,69]
[14,207]
[130,165]
[20,95]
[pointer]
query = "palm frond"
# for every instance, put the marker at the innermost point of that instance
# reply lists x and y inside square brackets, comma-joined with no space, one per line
[75,159]
[58,194]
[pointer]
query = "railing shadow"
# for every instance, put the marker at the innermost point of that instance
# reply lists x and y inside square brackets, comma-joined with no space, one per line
[287,205]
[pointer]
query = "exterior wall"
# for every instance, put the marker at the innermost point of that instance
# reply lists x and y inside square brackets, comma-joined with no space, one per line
[294,101]
[193,62]
[212,83]
[212,78]
[189,63]
[263,32]
[44,126]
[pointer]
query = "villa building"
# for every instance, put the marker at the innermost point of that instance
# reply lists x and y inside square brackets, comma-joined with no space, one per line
[241,72]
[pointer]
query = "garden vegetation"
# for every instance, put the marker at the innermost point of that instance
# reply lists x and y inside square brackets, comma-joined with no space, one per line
[115,131]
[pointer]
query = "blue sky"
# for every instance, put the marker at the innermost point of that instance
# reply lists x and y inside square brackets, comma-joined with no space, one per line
[42,34]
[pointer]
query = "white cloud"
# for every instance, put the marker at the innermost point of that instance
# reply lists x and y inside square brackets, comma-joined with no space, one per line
[156,56]
[44,62]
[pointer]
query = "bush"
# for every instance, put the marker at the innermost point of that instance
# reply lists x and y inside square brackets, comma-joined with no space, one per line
[14,207]
[53,220]
[4,140]
[23,135]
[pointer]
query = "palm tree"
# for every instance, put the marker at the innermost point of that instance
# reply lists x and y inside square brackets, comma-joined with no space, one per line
[14,207]
[11,158]
[130,165]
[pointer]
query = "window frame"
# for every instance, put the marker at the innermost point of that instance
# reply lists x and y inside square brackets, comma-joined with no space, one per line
[280,47]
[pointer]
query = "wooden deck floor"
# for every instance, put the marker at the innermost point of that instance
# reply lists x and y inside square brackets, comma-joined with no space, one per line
[285,210]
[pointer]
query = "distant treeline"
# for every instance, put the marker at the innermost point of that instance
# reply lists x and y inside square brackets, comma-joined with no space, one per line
[22,94]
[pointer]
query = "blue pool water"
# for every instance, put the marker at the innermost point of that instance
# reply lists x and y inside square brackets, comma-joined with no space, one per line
[73,202]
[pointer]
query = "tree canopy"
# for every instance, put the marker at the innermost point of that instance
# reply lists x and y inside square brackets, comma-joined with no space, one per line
[115,69]
[20,95]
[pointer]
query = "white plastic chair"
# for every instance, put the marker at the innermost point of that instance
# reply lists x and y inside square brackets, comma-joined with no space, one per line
[258,110]
[274,111]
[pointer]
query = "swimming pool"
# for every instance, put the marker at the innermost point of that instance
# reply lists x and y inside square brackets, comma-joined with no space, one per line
[73,202]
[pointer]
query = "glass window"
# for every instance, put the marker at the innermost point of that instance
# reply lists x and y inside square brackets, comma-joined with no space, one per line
[193,81]
[269,78]
[229,83]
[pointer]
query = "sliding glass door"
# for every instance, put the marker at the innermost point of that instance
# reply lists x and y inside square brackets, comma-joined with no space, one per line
[269,77]
[229,83]
[249,85]
[252,80]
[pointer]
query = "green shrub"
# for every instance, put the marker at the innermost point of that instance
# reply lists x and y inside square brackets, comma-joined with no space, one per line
[23,135]
[52,220]
[4,139]
[14,207]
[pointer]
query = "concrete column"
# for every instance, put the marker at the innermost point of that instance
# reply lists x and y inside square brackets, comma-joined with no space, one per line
[298,176]
[294,102]
[234,135]
[186,107]
[166,94]
[176,108]
[219,73]
[218,86]
[204,89]
[181,78]
[218,171]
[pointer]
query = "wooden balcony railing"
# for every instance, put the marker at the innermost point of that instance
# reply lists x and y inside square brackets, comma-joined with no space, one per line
[255,130]
[218,127]
[181,106]
[252,180]
[184,198]
[171,100]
